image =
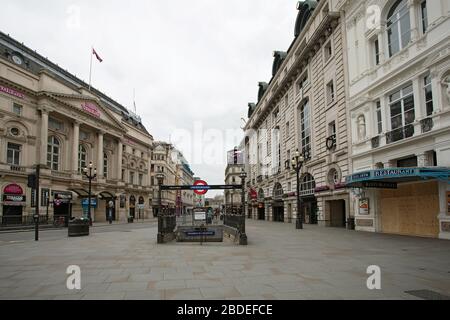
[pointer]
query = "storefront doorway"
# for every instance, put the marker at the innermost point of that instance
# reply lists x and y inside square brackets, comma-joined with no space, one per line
[62,206]
[12,215]
[278,211]
[261,205]
[411,210]
[337,213]
[110,206]
[13,203]
[261,212]
[133,206]
[309,208]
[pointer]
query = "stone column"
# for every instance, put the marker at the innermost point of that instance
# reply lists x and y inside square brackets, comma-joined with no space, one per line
[44,137]
[100,155]
[75,146]
[119,159]
[413,19]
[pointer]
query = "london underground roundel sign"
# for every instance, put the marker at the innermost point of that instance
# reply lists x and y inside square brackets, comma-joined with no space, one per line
[200,187]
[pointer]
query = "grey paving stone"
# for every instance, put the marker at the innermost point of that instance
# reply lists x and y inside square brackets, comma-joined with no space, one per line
[219,292]
[127,286]
[314,263]
[182,294]
[167,284]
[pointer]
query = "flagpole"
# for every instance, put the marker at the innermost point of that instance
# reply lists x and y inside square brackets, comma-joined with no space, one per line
[90,70]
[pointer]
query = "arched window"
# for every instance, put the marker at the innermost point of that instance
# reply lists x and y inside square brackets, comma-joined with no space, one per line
[53,153]
[105,165]
[278,191]
[261,195]
[308,185]
[398,27]
[82,158]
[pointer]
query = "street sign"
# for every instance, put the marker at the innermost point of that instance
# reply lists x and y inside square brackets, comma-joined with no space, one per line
[200,187]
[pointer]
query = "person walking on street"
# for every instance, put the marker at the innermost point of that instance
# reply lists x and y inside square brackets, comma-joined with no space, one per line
[110,211]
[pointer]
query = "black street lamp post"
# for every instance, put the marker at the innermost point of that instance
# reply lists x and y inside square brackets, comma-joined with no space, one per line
[243,235]
[90,177]
[297,164]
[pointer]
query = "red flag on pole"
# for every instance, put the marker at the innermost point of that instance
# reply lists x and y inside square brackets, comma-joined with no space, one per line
[96,55]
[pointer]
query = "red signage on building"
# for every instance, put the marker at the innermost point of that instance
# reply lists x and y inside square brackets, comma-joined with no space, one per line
[253,194]
[91,108]
[13,189]
[12,92]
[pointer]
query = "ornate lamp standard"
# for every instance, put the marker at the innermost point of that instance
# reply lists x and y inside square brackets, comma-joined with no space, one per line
[160,178]
[297,164]
[90,177]
[243,236]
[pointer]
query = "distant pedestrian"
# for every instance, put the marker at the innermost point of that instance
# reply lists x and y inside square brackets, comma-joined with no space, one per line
[110,211]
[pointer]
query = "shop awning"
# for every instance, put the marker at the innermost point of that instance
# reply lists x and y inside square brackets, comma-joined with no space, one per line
[104,195]
[82,193]
[390,177]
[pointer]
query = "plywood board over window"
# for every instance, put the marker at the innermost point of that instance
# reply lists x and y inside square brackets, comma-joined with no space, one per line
[412,209]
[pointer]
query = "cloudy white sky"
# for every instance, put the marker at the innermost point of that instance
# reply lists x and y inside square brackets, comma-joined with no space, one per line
[193,64]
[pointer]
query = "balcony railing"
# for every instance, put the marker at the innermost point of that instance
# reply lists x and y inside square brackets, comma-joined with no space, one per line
[375,142]
[400,134]
[259,179]
[427,125]
[17,168]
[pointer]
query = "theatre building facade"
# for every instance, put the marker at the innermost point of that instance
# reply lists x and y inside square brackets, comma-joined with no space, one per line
[399,111]
[303,107]
[51,118]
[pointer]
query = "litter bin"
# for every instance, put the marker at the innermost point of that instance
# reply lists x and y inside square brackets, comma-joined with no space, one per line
[351,224]
[79,227]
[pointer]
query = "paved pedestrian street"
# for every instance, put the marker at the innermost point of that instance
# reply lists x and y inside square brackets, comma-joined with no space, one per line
[124,262]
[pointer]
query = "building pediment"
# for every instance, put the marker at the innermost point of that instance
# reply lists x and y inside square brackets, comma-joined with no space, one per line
[88,108]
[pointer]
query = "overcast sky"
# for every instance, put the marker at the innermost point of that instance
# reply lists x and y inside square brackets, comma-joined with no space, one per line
[194,64]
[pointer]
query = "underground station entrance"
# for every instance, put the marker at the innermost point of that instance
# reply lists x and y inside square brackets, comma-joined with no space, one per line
[201,226]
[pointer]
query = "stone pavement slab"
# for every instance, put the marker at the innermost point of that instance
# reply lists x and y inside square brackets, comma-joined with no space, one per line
[280,262]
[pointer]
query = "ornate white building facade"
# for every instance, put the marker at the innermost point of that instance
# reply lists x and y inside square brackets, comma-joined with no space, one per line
[302,108]
[399,108]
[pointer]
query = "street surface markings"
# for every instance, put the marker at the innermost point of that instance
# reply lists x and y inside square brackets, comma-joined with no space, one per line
[428,295]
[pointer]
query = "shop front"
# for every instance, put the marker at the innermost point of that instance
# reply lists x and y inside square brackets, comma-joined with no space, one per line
[278,203]
[405,201]
[309,209]
[62,205]
[14,200]
[132,207]
[141,208]
[261,205]
[109,203]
